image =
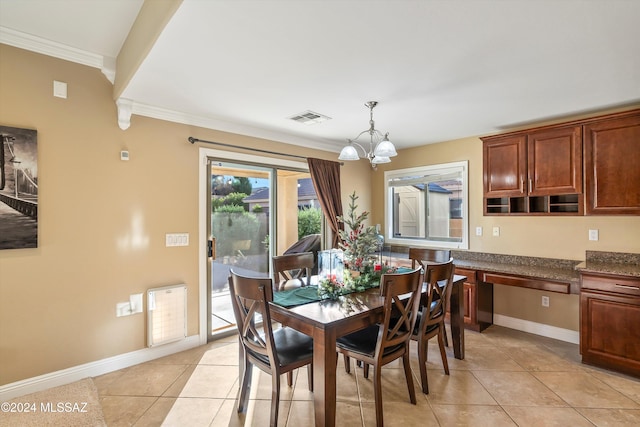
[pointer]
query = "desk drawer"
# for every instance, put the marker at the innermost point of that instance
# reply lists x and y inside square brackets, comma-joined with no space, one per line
[525,282]
[611,283]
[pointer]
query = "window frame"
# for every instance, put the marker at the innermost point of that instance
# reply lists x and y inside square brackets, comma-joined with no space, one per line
[443,168]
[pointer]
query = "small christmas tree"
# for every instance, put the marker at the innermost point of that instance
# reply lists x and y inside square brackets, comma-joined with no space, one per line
[358,243]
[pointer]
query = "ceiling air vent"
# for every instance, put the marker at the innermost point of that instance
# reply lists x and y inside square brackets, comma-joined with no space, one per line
[309,118]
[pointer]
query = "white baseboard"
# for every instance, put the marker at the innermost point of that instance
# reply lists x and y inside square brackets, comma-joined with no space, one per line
[548,331]
[92,369]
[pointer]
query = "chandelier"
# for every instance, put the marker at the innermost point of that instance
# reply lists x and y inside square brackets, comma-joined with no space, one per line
[380,148]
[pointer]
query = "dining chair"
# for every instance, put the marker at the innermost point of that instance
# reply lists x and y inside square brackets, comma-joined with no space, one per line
[275,352]
[292,266]
[385,342]
[425,256]
[430,321]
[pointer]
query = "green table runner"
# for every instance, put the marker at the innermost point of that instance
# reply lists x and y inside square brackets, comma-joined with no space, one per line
[296,296]
[307,294]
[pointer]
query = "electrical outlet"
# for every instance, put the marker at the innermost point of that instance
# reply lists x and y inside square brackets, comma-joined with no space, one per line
[478,231]
[593,235]
[496,231]
[545,301]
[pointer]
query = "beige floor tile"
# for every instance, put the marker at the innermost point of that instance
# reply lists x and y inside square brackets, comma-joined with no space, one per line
[155,415]
[539,358]
[221,355]
[461,387]
[546,417]
[258,414]
[193,412]
[210,382]
[175,389]
[483,359]
[584,390]
[472,415]
[301,385]
[145,380]
[227,415]
[187,357]
[261,386]
[628,386]
[125,410]
[401,414]
[612,417]
[394,385]
[346,384]
[537,380]
[517,389]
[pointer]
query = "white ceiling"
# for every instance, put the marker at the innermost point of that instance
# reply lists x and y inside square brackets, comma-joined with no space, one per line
[440,70]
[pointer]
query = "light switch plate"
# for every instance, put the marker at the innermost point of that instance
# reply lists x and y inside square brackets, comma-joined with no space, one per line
[177,239]
[496,231]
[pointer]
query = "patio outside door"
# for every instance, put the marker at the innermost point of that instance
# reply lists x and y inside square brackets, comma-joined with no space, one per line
[240,229]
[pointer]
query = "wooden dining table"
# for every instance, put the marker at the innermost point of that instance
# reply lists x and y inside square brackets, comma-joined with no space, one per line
[327,320]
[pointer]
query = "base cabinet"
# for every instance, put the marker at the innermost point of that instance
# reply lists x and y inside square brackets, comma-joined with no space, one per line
[478,301]
[609,319]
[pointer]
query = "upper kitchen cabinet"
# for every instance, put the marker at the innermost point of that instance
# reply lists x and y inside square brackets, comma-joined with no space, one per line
[534,172]
[581,167]
[612,165]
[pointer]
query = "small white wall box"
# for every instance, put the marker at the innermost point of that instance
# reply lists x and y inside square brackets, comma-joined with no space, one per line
[124,155]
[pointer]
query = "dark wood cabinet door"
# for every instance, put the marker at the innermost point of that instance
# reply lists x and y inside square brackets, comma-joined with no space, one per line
[609,333]
[554,160]
[612,174]
[504,166]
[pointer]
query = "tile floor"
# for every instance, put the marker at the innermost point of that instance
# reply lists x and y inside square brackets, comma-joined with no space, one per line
[508,378]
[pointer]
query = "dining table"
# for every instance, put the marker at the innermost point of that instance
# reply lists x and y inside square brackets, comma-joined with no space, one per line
[328,319]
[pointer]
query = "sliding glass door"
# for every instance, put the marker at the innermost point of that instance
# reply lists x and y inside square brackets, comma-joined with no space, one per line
[255,212]
[240,230]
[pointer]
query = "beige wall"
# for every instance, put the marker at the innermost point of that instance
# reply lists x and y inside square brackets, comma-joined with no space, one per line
[549,237]
[102,221]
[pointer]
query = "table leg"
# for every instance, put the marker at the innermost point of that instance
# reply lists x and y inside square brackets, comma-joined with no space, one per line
[324,377]
[457,318]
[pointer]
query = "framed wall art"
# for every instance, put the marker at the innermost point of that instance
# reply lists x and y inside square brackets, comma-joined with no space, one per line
[18,188]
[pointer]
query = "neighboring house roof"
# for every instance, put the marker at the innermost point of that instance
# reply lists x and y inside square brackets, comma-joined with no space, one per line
[434,188]
[306,191]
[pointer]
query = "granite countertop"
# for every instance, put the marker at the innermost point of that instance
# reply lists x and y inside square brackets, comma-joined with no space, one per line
[544,268]
[562,270]
[624,264]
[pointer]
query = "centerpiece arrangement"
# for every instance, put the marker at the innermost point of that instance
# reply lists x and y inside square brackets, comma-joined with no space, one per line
[358,245]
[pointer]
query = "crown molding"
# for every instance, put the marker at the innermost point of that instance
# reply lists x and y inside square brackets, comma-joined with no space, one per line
[225,126]
[58,50]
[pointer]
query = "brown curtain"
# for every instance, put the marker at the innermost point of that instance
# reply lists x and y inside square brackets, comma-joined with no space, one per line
[325,176]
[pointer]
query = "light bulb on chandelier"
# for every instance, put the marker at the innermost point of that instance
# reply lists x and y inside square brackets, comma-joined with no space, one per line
[380,148]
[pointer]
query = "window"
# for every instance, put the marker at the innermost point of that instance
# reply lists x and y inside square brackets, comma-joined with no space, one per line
[428,206]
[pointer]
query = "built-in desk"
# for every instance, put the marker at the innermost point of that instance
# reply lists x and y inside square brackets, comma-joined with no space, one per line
[483,270]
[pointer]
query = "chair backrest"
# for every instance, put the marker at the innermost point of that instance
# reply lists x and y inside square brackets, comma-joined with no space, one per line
[293,266]
[250,297]
[424,256]
[399,313]
[439,279]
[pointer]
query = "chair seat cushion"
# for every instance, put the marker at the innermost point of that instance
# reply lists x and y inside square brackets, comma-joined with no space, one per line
[364,342]
[292,346]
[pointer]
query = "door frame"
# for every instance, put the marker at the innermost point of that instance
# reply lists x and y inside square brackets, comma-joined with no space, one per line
[204,203]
